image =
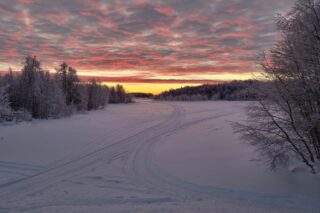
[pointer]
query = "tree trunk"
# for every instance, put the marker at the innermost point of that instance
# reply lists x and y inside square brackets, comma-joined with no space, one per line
[315,134]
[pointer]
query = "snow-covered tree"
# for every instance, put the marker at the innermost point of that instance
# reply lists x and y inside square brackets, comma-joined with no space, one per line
[118,95]
[34,93]
[67,76]
[122,96]
[61,75]
[29,86]
[5,110]
[52,99]
[286,122]
[113,97]
[97,95]
[83,92]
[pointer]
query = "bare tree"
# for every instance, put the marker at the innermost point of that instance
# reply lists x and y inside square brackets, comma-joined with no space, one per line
[286,122]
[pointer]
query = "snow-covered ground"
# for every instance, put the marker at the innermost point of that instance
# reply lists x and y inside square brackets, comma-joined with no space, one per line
[145,157]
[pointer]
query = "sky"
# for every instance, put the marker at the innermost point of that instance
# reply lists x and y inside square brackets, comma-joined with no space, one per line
[147,45]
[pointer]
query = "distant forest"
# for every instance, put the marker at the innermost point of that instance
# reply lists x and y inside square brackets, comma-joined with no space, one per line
[35,93]
[234,90]
[141,95]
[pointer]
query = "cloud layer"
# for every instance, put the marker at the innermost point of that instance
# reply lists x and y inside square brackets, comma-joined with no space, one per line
[140,39]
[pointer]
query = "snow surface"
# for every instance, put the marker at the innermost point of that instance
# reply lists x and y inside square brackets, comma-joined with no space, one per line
[145,157]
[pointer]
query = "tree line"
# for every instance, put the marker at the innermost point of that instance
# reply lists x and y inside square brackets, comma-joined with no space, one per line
[234,90]
[141,95]
[35,93]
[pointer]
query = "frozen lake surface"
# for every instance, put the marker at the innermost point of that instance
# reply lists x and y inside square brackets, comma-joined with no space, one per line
[145,157]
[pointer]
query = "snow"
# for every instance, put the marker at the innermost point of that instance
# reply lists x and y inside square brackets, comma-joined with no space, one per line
[145,157]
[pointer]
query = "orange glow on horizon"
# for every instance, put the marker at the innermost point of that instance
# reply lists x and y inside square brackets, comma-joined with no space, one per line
[164,83]
[154,88]
[161,83]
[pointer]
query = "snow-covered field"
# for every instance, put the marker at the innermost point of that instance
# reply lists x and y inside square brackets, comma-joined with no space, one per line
[145,157]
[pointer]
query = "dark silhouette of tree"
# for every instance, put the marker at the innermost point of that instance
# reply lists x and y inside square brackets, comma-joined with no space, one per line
[118,95]
[97,95]
[235,90]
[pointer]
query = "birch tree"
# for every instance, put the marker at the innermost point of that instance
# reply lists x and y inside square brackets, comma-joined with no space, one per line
[286,122]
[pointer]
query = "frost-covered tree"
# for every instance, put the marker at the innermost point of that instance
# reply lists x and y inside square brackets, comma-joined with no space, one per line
[121,93]
[56,101]
[72,81]
[35,93]
[51,100]
[97,95]
[118,95]
[5,110]
[286,122]
[67,76]
[10,80]
[61,75]
[113,98]
[83,91]
[29,86]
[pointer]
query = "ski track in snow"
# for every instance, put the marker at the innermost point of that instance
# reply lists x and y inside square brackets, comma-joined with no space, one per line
[38,189]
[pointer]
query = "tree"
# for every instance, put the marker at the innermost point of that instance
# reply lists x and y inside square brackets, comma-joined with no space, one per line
[35,91]
[61,75]
[234,90]
[286,122]
[83,91]
[29,86]
[11,82]
[113,98]
[121,93]
[5,110]
[72,93]
[51,100]
[118,95]
[67,76]
[97,95]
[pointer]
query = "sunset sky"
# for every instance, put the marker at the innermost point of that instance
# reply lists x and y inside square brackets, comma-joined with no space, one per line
[147,45]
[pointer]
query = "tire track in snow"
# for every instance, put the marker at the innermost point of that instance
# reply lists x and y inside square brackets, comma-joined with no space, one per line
[19,189]
[141,168]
